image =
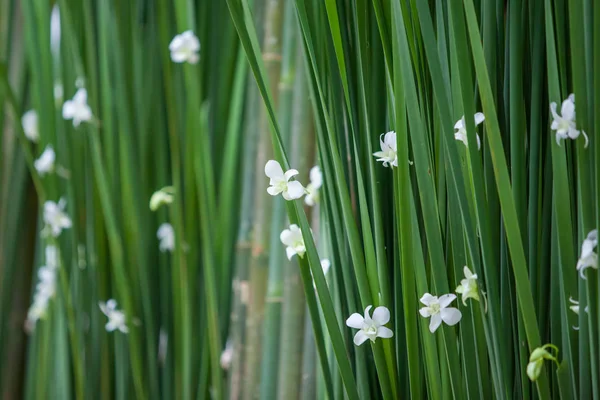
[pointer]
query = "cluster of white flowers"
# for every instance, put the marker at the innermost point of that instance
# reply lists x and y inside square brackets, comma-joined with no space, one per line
[45,289]
[116,318]
[280,183]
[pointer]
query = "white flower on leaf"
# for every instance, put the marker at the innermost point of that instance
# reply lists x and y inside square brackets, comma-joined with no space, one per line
[55,217]
[280,181]
[45,163]
[162,197]
[588,257]
[44,290]
[439,311]
[388,153]
[116,318]
[166,235]
[468,286]
[461,129]
[77,109]
[536,360]
[312,189]
[185,47]
[29,120]
[370,327]
[564,124]
[292,238]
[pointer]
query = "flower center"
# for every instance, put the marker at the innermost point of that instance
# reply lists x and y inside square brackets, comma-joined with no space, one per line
[434,308]
[370,329]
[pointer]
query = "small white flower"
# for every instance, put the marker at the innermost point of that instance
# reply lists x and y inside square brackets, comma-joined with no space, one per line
[461,129]
[116,318]
[58,93]
[227,355]
[280,182]
[45,163]
[468,286]
[184,48]
[77,109]
[44,290]
[292,238]
[55,218]
[439,311]
[588,257]
[370,328]
[30,125]
[166,235]
[388,153]
[162,197]
[312,189]
[564,124]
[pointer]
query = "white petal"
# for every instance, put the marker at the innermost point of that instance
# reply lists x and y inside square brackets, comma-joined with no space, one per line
[367,316]
[553,111]
[360,338]
[451,316]
[586,139]
[424,312]
[381,315]
[123,328]
[427,299]
[273,169]
[384,332]
[436,321]
[290,173]
[446,299]
[467,272]
[273,191]
[355,321]
[295,191]
[111,326]
[325,265]
[479,118]
[290,252]
[460,124]
[568,108]
[68,109]
[286,237]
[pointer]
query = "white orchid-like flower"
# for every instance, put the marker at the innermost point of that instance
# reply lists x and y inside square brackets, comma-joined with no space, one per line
[461,129]
[45,163]
[29,120]
[370,327]
[77,109]
[45,289]
[536,360]
[564,124]
[116,318]
[588,257]
[280,181]
[312,189]
[55,217]
[388,153]
[468,286]
[162,197]
[166,236]
[439,311]
[185,47]
[292,238]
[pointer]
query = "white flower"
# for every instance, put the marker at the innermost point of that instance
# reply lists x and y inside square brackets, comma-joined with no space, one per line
[30,125]
[461,129]
[388,153]
[292,238]
[184,48]
[370,328]
[58,93]
[564,124]
[536,360]
[55,218]
[439,311]
[44,290]
[468,286]
[166,235]
[588,257]
[312,189]
[77,109]
[162,197]
[227,355]
[116,318]
[45,163]
[325,264]
[280,182]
